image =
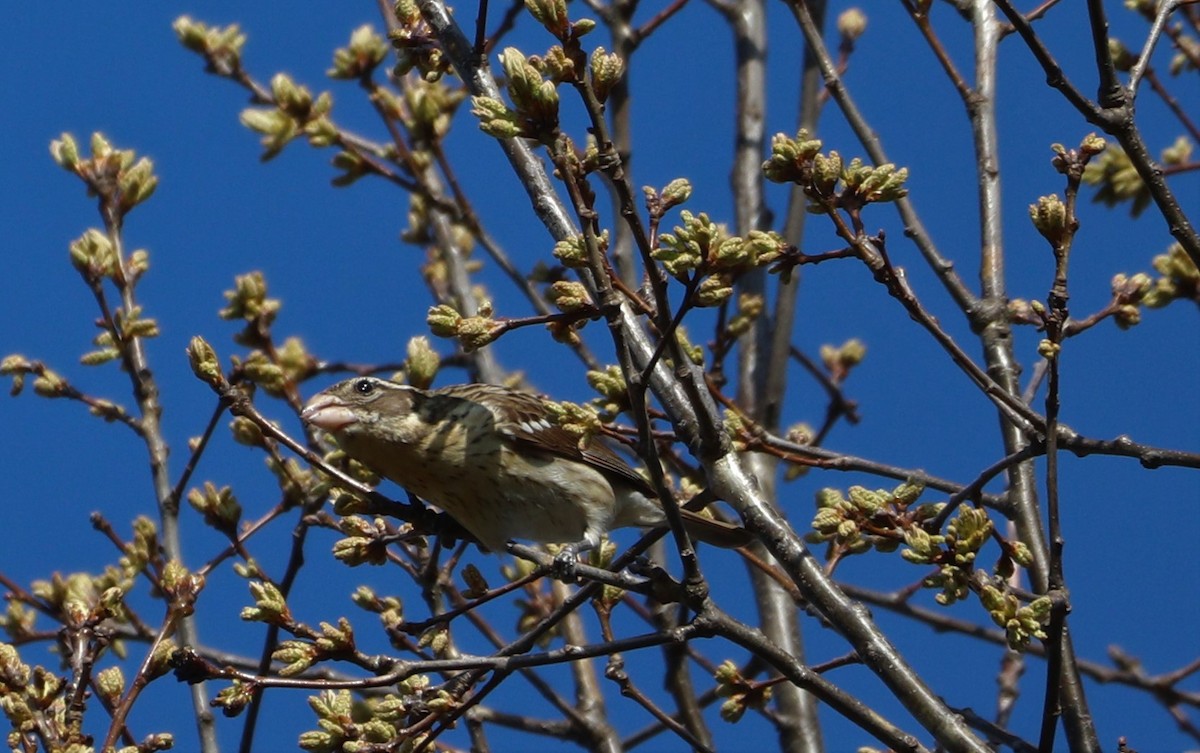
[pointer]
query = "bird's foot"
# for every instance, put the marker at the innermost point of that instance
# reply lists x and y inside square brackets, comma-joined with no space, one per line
[566,565]
[566,562]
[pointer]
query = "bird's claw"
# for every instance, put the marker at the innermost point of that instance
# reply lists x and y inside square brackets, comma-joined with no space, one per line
[566,565]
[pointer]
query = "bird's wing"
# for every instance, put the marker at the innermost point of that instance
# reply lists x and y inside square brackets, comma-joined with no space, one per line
[522,417]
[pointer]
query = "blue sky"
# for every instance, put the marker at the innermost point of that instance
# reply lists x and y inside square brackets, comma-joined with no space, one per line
[348,289]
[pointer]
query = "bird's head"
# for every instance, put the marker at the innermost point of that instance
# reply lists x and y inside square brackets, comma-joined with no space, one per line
[363,406]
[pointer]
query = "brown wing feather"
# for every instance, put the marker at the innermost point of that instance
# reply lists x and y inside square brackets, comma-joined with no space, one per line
[522,417]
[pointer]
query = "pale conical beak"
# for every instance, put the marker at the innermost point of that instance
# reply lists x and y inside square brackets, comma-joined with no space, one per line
[327,412]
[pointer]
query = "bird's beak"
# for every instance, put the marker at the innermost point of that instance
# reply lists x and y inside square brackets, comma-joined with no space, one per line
[327,412]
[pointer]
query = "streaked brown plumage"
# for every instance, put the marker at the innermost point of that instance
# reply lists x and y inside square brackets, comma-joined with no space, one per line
[491,458]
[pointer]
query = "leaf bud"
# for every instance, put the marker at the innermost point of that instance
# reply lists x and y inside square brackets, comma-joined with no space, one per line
[851,23]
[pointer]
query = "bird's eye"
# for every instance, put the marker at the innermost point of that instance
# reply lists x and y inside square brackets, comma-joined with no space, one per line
[364,387]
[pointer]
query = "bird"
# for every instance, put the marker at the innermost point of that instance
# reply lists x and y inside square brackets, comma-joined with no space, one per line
[493,459]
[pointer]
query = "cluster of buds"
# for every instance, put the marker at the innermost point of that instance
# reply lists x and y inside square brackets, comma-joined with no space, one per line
[472,332]
[799,160]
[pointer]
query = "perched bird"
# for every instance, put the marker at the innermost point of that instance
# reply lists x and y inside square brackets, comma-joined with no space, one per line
[493,460]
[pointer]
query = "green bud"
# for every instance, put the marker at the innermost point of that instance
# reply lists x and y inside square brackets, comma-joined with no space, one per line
[137,264]
[137,183]
[1117,180]
[733,709]
[919,541]
[691,244]
[180,586]
[1048,349]
[422,362]
[750,307]
[17,367]
[694,353]
[190,33]
[827,170]
[829,497]
[727,675]
[132,325]
[248,300]
[851,23]
[495,119]
[827,520]
[100,146]
[1134,288]
[675,193]
[98,357]
[427,108]
[110,684]
[443,320]
[93,255]
[219,507]
[222,46]
[1185,59]
[1092,144]
[801,433]
[260,369]
[851,354]
[1179,153]
[351,166]
[583,421]
[322,132]
[366,50]
[907,493]
[16,673]
[875,184]
[607,70]
[1021,554]
[1040,608]
[336,639]
[1049,216]
[1127,316]
[610,383]
[407,12]
[50,384]
[1123,60]
[263,120]
[556,65]
[535,100]
[204,362]
[731,253]
[866,500]
[569,296]
[246,432]
[235,698]
[269,605]
[551,14]
[295,656]
[572,252]
[474,332]
[713,291]
[791,158]
[970,529]
[65,152]
[277,127]
[290,96]
[160,661]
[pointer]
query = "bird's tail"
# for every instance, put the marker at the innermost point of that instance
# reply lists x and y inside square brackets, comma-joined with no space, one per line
[715,532]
